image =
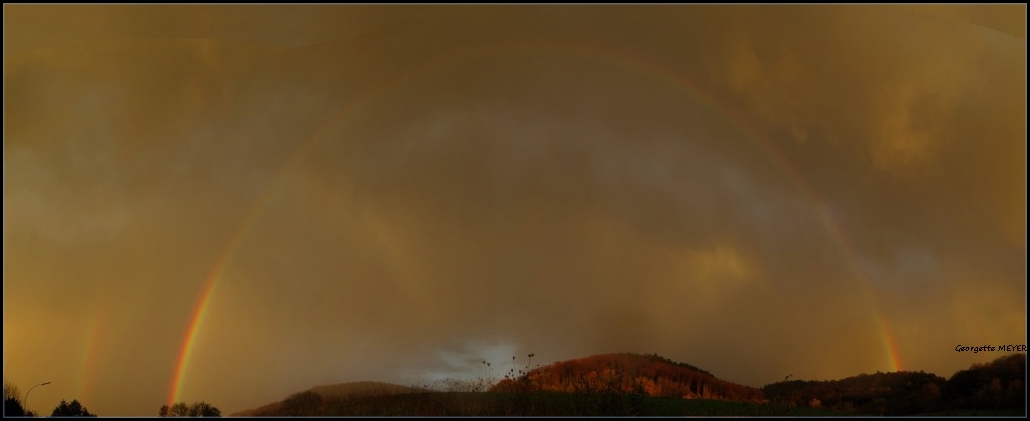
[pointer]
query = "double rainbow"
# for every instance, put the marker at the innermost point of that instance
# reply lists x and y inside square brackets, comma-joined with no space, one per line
[608,55]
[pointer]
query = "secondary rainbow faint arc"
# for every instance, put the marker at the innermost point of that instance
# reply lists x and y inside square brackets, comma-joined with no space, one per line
[609,54]
[196,319]
[92,354]
[684,84]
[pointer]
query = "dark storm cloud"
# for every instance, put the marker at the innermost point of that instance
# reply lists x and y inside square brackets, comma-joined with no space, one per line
[474,190]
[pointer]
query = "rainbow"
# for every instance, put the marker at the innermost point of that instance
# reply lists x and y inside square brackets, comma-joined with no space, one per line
[186,350]
[94,337]
[893,356]
[204,301]
[217,272]
[633,60]
[609,55]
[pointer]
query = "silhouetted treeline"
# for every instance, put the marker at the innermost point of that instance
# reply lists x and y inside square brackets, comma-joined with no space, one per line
[73,409]
[181,409]
[899,393]
[14,407]
[994,385]
[12,401]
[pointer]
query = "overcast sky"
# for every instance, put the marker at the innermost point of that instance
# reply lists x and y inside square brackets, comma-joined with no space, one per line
[397,193]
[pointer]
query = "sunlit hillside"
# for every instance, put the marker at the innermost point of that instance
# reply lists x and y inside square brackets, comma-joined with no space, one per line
[629,373]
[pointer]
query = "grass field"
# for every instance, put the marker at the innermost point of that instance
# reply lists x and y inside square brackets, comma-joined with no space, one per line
[550,404]
[1017,412]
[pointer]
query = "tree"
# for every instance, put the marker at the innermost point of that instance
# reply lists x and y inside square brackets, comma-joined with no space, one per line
[12,400]
[204,409]
[198,409]
[74,409]
[11,391]
[12,408]
[180,410]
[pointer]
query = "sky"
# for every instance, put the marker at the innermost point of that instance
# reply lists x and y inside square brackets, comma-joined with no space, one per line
[232,204]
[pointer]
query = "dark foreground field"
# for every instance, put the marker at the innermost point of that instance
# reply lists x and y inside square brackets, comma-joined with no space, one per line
[543,404]
[1010,412]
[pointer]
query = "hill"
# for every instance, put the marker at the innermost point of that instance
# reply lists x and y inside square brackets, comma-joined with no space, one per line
[628,373]
[366,388]
[996,386]
[612,384]
[632,384]
[317,394]
[897,393]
